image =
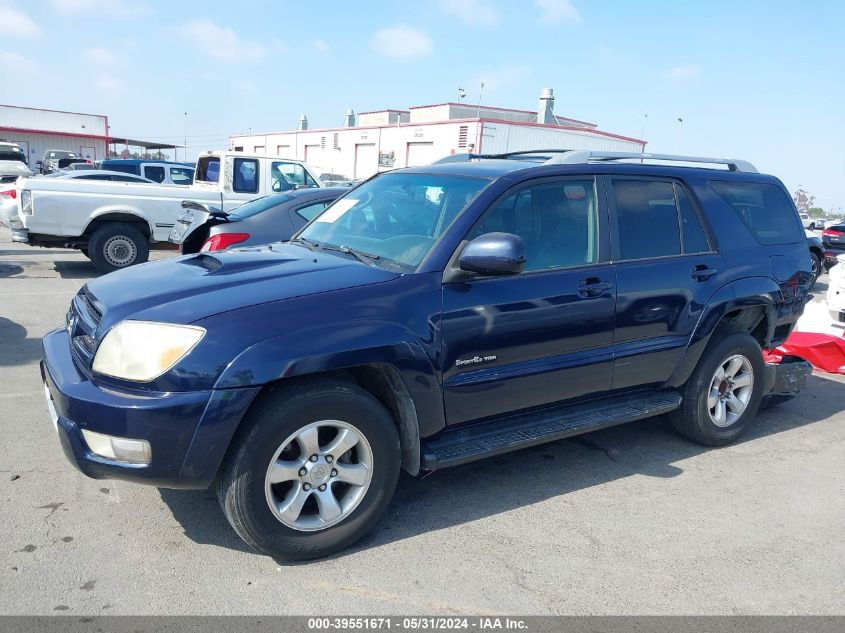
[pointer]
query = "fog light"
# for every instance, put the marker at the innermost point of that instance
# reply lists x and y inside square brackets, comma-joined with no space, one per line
[120,449]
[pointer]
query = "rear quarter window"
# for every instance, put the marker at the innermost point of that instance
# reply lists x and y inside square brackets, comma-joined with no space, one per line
[764,208]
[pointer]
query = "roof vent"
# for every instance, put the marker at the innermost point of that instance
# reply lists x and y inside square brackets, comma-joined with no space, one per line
[303,123]
[546,108]
[349,120]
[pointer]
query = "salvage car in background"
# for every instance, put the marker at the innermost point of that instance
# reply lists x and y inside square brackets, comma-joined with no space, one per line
[50,161]
[273,218]
[12,163]
[160,171]
[115,223]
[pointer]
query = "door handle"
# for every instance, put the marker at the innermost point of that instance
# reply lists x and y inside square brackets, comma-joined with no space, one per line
[702,272]
[593,287]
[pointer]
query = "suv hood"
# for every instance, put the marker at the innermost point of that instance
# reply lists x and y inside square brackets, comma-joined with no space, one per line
[193,287]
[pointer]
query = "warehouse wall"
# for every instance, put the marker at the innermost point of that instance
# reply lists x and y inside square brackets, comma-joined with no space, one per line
[35,144]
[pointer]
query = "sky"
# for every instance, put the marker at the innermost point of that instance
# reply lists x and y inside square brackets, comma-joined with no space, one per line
[759,80]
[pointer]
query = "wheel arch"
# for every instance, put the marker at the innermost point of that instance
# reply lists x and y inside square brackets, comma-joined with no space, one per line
[746,305]
[104,217]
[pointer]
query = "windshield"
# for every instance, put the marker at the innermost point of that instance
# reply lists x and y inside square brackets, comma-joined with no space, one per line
[259,205]
[57,154]
[8,154]
[397,216]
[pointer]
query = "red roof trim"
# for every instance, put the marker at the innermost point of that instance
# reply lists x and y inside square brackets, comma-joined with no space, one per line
[385,110]
[23,130]
[5,105]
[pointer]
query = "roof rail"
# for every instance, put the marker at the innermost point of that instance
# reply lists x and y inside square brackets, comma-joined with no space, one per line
[581,157]
[463,158]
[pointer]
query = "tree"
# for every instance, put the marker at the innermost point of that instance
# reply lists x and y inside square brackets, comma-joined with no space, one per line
[816,212]
[803,200]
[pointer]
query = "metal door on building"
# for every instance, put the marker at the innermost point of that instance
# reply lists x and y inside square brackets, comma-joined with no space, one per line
[88,153]
[366,160]
[420,154]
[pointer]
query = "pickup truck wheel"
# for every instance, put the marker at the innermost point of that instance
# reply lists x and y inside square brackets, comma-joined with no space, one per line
[115,246]
[312,470]
[724,392]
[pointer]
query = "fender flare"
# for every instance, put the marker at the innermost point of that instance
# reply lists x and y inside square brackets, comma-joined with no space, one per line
[750,292]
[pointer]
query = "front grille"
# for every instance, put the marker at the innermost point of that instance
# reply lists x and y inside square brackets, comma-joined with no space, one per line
[83,318]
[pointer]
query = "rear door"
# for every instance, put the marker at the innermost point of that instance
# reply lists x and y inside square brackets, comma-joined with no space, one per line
[666,271]
[544,335]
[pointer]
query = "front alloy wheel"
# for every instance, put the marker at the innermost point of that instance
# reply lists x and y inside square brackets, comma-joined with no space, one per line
[319,475]
[311,469]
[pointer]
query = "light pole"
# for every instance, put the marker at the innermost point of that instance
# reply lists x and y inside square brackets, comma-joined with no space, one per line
[680,133]
[645,120]
[185,147]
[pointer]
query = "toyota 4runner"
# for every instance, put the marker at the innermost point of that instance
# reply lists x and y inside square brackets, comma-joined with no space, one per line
[430,317]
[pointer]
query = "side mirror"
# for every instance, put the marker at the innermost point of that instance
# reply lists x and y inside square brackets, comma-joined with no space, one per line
[494,254]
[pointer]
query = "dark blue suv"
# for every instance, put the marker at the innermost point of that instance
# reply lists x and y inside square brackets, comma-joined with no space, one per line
[430,317]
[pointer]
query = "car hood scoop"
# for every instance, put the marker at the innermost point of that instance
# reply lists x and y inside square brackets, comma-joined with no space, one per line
[192,287]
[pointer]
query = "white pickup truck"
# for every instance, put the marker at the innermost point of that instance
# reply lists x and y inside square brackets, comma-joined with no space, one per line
[115,223]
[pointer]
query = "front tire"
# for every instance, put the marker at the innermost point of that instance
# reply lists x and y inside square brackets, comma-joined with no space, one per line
[116,246]
[312,470]
[723,394]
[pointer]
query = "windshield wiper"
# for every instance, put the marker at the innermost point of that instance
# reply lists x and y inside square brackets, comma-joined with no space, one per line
[308,243]
[361,256]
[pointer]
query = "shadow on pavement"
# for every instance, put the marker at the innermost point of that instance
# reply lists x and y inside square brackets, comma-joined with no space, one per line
[15,347]
[485,488]
[76,270]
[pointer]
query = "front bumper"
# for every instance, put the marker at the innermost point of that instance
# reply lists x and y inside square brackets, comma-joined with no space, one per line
[189,432]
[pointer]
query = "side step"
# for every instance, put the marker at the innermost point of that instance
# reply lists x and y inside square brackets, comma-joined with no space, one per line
[462,445]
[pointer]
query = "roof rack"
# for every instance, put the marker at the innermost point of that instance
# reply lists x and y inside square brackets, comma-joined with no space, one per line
[582,157]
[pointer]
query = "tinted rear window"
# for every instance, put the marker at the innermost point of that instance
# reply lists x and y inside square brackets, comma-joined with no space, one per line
[765,209]
[208,169]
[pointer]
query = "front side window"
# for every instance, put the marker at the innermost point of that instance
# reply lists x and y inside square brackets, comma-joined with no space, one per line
[558,221]
[246,175]
[154,173]
[288,176]
[396,216]
[765,209]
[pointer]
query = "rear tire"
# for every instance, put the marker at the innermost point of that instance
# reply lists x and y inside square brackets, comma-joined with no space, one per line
[287,492]
[116,246]
[817,268]
[723,394]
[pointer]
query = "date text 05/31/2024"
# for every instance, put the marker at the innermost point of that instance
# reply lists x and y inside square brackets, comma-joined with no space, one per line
[430,623]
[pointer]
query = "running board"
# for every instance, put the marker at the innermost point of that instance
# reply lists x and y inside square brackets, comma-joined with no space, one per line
[466,444]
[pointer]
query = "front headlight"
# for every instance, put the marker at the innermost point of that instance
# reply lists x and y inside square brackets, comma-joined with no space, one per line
[143,350]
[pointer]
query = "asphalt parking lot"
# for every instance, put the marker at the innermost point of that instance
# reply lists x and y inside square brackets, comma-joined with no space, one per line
[631,520]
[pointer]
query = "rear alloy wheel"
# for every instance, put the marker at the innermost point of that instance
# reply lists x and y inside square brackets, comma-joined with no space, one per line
[116,246]
[724,392]
[311,470]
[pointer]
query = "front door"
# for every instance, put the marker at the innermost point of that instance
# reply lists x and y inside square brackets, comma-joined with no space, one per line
[544,335]
[666,271]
